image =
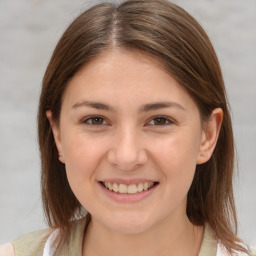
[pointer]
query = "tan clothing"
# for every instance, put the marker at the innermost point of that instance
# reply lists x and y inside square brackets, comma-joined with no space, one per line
[34,244]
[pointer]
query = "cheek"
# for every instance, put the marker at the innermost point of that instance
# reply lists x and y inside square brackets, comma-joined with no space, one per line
[176,156]
[82,154]
[80,148]
[177,150]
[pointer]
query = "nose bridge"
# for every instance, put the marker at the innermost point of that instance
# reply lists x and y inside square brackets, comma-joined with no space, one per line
[127,152]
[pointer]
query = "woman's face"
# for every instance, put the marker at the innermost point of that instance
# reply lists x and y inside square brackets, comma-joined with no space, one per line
[127,125]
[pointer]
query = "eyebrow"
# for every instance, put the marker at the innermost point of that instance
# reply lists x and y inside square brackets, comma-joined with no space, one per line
[143,108]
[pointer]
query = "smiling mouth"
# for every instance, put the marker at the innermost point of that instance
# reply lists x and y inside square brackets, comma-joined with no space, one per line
[129,189]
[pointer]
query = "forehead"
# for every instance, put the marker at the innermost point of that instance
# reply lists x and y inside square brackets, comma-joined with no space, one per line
[115,63]
[126,76]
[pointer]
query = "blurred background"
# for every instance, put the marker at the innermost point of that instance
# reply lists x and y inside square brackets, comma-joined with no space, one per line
[29,31]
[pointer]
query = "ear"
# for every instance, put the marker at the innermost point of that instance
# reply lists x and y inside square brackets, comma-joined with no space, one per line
[56,135]
[210,136]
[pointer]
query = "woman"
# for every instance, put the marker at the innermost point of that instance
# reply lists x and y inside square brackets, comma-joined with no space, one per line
[134,127]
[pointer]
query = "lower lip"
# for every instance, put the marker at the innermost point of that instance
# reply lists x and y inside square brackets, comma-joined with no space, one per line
[128,198]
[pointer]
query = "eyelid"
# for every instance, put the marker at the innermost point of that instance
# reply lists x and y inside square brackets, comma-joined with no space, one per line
[168,119]
[84,120]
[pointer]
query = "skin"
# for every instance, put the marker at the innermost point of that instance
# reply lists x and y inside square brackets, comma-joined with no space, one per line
[129,144]
[7,250]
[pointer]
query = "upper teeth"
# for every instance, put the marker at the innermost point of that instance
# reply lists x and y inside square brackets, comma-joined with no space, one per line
[128,189]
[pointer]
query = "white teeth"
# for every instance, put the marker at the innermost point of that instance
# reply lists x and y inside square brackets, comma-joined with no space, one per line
[130,189]
[109,186]
[151,184]
[123,189]
[115,187]
[145,186]
[140,187]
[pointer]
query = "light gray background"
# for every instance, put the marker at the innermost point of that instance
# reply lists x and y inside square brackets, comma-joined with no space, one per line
[29,30]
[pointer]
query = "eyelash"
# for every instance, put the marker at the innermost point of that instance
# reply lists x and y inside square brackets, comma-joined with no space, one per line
[93,118]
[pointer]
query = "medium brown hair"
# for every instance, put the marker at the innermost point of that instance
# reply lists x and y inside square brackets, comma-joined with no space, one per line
[166,32]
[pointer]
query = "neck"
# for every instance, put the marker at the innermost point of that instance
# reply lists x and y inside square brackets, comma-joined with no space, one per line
[168,238]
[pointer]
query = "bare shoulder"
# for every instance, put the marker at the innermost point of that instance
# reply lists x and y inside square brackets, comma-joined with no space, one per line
[7,250]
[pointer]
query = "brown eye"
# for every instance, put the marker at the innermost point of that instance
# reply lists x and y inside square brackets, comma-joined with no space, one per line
[95,120]
[160,121]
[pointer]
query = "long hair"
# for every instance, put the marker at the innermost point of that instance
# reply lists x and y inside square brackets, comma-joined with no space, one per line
[169,34]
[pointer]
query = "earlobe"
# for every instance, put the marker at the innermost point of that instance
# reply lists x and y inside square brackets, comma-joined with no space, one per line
[56,135]
[210,136]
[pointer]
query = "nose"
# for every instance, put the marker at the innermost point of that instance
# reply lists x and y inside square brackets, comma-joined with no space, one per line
[127,152]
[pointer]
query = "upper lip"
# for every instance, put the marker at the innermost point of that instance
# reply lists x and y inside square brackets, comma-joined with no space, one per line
[126,181]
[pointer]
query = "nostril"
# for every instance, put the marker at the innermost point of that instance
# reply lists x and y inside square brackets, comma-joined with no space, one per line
[127,159]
